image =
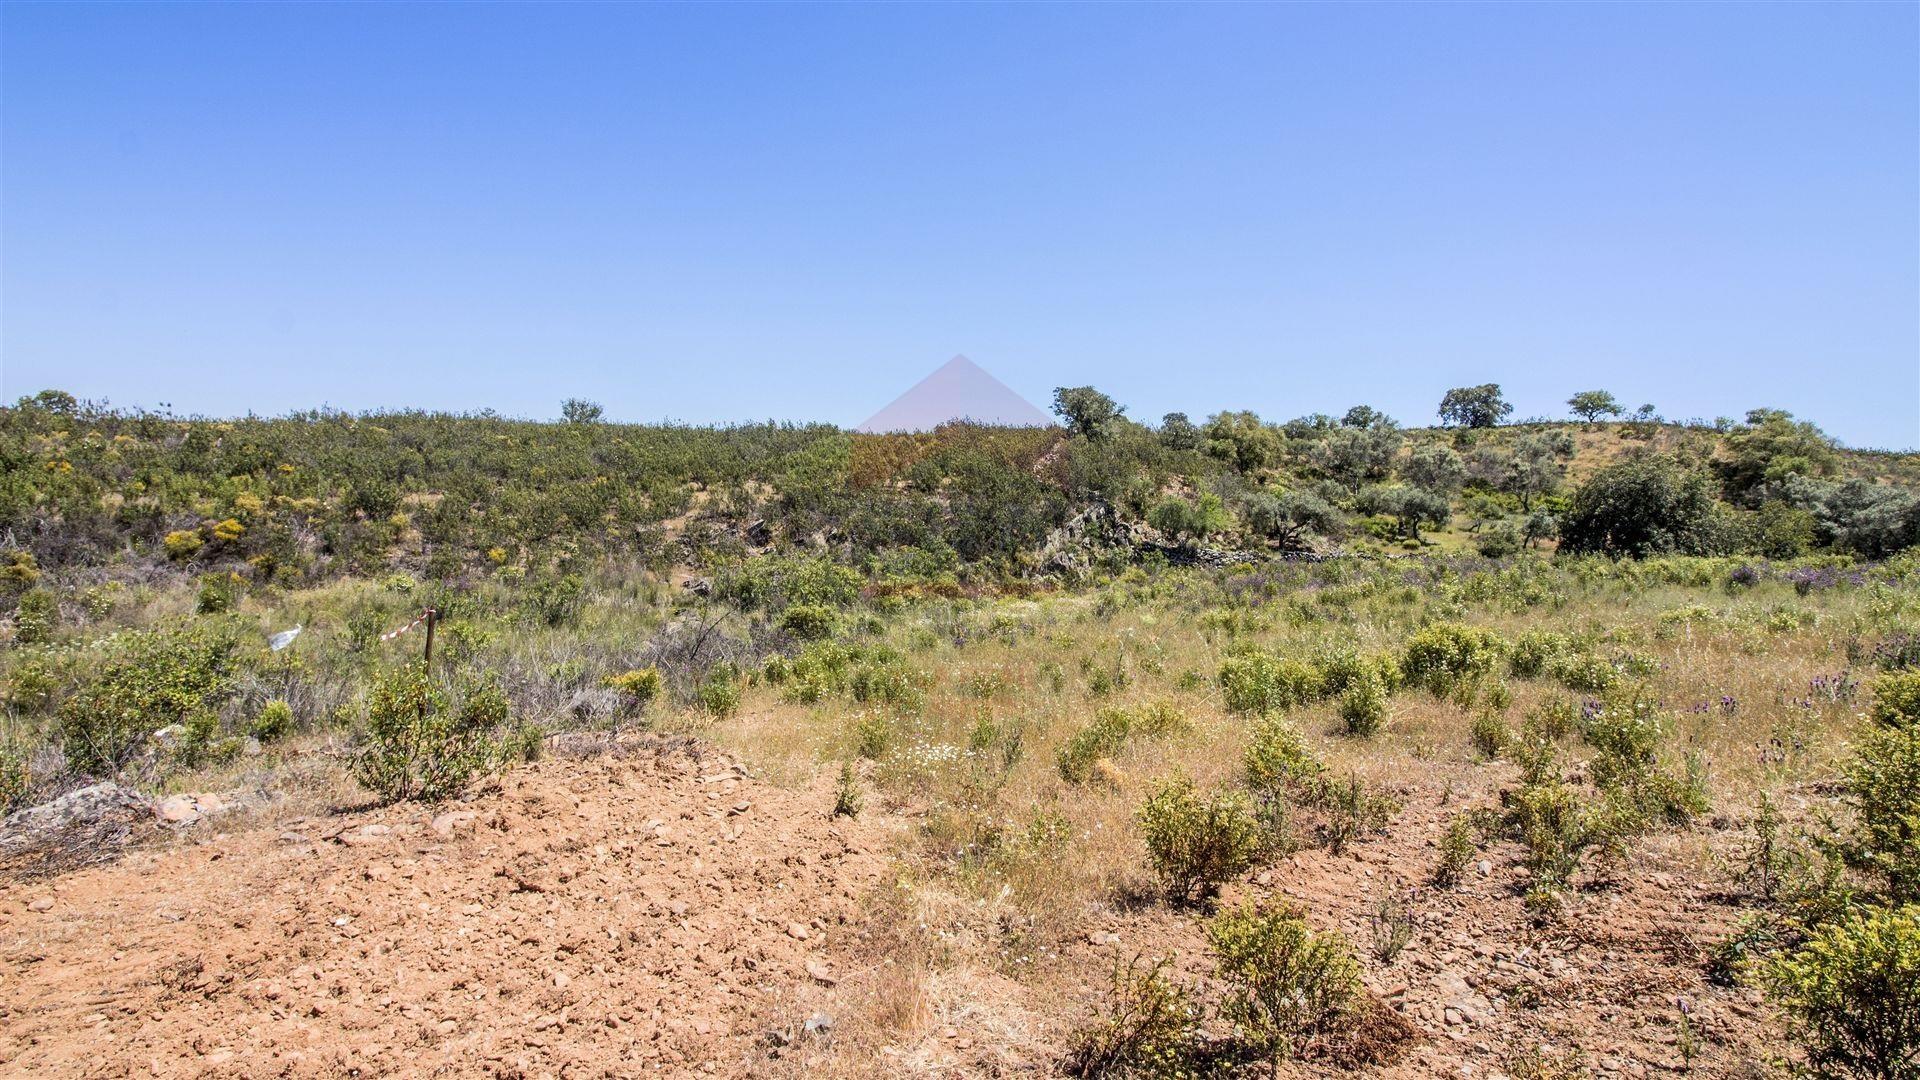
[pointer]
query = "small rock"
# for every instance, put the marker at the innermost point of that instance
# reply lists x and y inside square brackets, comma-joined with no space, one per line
[819,972]
[796,931]
[177,810]
[1102,937]
[453,821]
[561,980]
[1485,866]
[41,904]
[819,1024]
[171,737]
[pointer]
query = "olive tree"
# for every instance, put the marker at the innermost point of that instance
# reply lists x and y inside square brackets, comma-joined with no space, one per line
[1645,505]
[1591,405]
[1087,412]
[1474,406]
[580,411]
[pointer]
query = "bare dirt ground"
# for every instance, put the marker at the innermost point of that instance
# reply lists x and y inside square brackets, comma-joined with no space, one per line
[654,911]
[650,911]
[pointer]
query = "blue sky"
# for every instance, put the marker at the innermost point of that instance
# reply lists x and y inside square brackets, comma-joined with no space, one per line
[745,211]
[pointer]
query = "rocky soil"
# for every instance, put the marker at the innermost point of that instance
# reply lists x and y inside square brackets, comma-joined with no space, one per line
[649,910]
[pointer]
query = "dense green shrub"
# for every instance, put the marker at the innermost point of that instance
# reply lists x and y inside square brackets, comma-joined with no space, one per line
[1196,844]
[556,600]
[1100,740]
[1363,706]
[637,688]
[1445,655]
[273,721]
[219,592]
[1287,985]
[719,692]
[1853,992]
[1585,672]
[36,617]
[776,582]
[1535,651]
[1490,734]
[1644,505]
[426,739]
[1278,756]
[1896,698]
[808,622]
[1457,849]
[1627,734]
[148,680]
[1883,791]
[1341,669]
[15,779]
[1550,820]
[1253,681]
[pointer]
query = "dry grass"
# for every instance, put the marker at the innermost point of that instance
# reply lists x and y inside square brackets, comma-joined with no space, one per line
[1008,866]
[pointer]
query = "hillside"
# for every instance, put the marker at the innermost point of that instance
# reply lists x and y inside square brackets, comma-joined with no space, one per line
[1215,749]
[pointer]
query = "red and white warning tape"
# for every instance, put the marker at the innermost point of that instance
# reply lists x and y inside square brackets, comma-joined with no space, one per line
[417,620]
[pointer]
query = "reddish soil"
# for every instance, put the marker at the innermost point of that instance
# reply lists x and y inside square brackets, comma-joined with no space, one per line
[651,911]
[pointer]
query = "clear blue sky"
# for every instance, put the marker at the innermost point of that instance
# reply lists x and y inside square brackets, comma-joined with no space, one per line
[747,211]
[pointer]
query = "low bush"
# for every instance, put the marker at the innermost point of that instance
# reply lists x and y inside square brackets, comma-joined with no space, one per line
[1457,849]
[719,693]
[1195,844]
[1363,706]
[847,800]
[273,721]
[808,622]
[1445,655]
[1490,735]
[1254,682]
[1287,985]
[1342,669]
[1853,993]
[1883,791]
[149,679]
[1278,756]
[1100,740]
[1150,1029]
[637,688]
[426,739]
[1627,734]
[1896,699]
[1585,673]
[16,782]
[555,600]
[1353,810]
[1550,821]
[1535,651]
[36,616]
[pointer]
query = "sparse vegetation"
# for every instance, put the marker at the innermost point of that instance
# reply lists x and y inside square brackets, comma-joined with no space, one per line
[1057,663]
[1195,842]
